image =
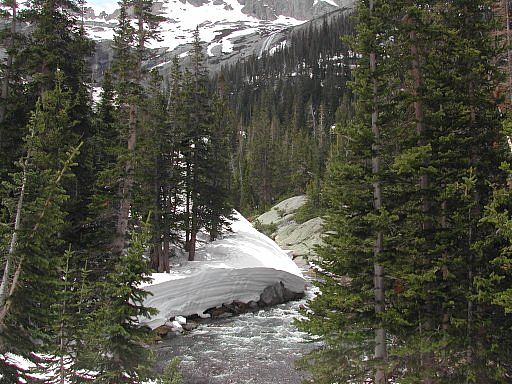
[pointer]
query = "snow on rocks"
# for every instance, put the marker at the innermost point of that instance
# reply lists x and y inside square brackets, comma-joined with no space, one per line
[236,268]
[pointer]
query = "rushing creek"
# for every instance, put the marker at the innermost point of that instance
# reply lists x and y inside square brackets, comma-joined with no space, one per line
[258,348]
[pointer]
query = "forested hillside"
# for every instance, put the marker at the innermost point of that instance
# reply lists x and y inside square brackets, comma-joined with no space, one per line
[389,119]
[285,104]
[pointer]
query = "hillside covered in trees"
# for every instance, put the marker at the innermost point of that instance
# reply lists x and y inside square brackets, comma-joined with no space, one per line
[285,105]
[389,119]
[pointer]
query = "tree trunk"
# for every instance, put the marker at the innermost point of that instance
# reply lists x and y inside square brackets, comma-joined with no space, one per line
[380,353]
[127,186]
[128,180]
[62,366]
[187,210]
[166,252]
[8,65]
[4,285]
[166,227]
[157,227]
[192,245]
[474,213]
[428,358]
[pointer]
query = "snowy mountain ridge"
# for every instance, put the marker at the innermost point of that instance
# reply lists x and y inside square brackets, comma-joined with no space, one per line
[228,28]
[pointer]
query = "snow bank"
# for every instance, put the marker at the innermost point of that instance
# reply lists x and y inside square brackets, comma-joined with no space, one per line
[237,267]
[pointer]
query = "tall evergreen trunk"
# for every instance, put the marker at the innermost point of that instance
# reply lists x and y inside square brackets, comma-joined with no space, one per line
[193,236]
[426,225]
[166,254]
[187,209]
[194,227]
[380,354]
[156,254]
[62,325]
[6,277]
[8,65]
[474,213]
[509,53]
[129,177]
[127,186]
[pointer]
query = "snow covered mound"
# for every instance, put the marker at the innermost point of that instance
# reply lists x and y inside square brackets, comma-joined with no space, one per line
[237,267]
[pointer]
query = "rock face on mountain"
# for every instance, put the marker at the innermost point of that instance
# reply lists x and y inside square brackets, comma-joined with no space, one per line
[229,29]
[297,9]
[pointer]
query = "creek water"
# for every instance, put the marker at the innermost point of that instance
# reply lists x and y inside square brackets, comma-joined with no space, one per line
[257,348]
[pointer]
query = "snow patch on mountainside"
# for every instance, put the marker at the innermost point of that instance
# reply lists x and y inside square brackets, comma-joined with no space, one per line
[220,23]
[325,1]
[237,267]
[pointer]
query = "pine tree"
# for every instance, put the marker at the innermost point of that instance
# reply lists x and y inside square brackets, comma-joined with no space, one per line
[205,188]
[130,44]
[157,184]
[99,232]
[65,333]
[11,96]
[57,42]
[127,71]
[218,183]
[35,247]
[115,339]
[11,47]
[436,254]
[174,187]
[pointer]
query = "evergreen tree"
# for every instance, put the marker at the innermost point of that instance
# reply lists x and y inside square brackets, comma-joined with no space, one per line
[99,232]
[57,42]
[205,187]
[218,183]
[130,44]
[115,342]
[35,247]
[12,98]
[157,184]
[434,252]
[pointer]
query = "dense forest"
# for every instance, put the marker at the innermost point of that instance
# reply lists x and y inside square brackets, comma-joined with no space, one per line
[389,120]
[417,285]
[95,195]
[285,105]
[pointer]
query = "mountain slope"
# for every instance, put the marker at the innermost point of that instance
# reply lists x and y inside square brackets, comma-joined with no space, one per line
[230,29]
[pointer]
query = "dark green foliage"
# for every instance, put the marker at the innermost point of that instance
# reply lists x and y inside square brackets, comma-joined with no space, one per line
[67,295]
[218,184]
[285,106]
[203,149]
[440,149]
[267,229]
[172,373]
[58,42]
[39,251]
[114,339]
[106,140]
